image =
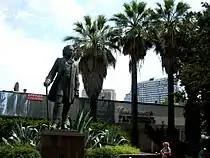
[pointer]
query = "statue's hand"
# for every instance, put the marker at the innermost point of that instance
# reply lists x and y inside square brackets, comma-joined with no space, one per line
[47,82]
[76,94]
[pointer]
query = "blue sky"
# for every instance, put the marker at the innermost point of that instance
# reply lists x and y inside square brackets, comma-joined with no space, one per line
[31,33]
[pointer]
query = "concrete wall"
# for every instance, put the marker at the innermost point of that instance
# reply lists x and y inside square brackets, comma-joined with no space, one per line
[17,104]
[160,112]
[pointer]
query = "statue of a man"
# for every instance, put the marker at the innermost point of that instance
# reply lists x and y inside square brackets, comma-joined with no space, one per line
[65,86]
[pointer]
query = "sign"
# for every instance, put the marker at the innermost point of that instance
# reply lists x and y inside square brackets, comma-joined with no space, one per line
[35,97]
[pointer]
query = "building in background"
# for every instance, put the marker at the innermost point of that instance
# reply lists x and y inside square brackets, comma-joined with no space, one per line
[107,94]
[152,91]
[127,97]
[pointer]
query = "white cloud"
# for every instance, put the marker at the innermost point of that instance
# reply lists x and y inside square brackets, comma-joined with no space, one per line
[28,59]
[23,59]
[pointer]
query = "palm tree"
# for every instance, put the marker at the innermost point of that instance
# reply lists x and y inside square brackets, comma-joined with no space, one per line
[164,27]
[94,49]
[131,28]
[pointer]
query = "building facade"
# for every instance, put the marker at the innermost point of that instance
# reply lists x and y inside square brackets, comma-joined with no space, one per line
[152,91]
[107,94]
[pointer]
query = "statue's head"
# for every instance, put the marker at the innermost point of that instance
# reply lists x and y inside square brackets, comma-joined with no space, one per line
[67,52]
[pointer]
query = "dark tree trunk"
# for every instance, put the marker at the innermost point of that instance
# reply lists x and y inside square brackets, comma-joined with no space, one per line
[172,133]
[134,107]
[192,122]
[93,107]
[192,126]
[171,124]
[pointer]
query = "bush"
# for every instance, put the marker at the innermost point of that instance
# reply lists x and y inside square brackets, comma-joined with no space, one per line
[19,151]
[102,126]
[8,123]
[111,151]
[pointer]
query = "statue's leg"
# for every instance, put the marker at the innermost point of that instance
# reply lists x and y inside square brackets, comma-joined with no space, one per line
[57,111]
[66,108]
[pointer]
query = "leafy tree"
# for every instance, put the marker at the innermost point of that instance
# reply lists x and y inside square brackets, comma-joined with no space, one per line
[131,27]
[179,97]
[166,19]
[194,73]
[204,22]
[93,46]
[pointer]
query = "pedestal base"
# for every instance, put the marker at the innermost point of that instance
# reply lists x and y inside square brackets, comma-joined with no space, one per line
[62,144]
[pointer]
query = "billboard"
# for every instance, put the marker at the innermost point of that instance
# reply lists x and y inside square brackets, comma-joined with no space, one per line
[23,104]
[35,106]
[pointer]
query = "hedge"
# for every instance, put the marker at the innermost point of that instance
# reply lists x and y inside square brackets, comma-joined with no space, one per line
[19,151]
[7,124]
[111,151]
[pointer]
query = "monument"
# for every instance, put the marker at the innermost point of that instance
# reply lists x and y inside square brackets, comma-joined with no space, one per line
[62,143]
[65,87]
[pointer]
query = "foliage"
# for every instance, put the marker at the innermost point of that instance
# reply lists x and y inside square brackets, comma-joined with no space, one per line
[111,137]
[93,139]
[102,126]
[18,151]
[194,68]
[97,134]
[111,151]
[103,138]
[194,73]
[179,97]
[164,27]
[101,134]
[7,124]
[24,135]
[131,27]
[81,123]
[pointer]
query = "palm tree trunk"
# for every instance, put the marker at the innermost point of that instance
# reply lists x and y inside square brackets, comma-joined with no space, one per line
[173,134]
[134,107]
[171,124]
[93,107]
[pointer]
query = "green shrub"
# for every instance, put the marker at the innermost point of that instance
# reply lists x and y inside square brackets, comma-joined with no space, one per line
[111,151]
[103,152]
[19,151]
[125,149]
[8,123]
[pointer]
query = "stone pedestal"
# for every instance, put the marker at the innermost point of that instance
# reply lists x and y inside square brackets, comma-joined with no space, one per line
[62,144]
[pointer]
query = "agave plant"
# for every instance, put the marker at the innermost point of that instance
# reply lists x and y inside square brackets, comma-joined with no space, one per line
[93,139]
[24,135]
[111,137]
[81,123]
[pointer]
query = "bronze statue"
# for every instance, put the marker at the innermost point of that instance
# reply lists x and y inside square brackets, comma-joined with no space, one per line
[65,87]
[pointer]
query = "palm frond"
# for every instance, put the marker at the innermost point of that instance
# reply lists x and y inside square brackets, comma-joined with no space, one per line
[88,21]
[101,21]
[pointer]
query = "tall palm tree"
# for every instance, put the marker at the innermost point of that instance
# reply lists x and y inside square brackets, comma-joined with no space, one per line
[131,27]
[94,49]
[164,27]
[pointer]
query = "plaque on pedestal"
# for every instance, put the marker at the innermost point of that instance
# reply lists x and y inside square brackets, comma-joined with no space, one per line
[62,144]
